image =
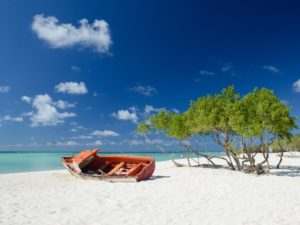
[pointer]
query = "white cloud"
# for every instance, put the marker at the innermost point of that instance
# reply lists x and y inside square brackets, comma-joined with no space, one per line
[4,89]
[271,69]
[133,113]
[61,35]
[76,128]
[226,67]
[11,118]
[136,142]
[72,88]
[176,111]
[158,141]
[64,104]
[144,90]
[82,137]
[296,86]
[206,73]
[67,143]
[73,130]
[95,94]
[133,108]
[126,115]
[150,108]
[105,133]
[75,68]
[26,99]
[46,113]
[95,143]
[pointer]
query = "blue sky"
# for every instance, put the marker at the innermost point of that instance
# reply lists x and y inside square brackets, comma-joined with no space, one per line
[67,85]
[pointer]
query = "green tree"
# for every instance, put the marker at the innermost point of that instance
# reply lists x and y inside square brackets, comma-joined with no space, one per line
[253,122]
[213,115]
[174,126]
[261,118]
[292,144]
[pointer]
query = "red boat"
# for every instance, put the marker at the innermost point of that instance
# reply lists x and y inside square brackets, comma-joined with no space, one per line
[114,168]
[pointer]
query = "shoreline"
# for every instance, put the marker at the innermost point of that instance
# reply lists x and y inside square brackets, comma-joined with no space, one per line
[172,196]
[28,162]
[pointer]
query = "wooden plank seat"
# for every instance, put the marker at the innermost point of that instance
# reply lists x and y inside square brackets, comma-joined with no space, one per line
[117,167]
[135,170]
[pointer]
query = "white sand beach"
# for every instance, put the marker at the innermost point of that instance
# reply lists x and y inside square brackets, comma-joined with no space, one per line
[173,196]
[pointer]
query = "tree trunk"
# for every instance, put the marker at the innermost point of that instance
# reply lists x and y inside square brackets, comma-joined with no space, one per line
[281,155]
[230,161]
[226,147]
[231,153]
[188,159]
[267,150]
[237,161]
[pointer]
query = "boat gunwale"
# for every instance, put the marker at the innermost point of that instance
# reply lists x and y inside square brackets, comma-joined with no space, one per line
[142,175]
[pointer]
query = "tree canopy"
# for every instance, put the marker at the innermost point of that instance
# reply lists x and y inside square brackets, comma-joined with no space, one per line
[256,118]
[292,144]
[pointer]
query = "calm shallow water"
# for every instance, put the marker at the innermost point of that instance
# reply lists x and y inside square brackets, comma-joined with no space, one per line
[13,162]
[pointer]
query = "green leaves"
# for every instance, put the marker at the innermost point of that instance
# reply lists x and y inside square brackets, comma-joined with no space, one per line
[173,125]
[251,116]
[213,112]
[178,127]
[162,120]
[143,128]
[261,111]
[291,144]
[251,122]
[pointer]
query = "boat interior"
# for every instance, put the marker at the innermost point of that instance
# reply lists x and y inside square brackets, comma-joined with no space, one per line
[111,165]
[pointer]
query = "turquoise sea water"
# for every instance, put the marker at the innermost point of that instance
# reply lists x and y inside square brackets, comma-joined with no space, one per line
[13,162]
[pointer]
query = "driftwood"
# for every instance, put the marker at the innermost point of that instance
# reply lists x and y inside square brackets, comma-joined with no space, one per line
[164,151]
[209,158]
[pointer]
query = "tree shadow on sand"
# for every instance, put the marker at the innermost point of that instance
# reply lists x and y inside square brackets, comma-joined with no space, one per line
[290,171]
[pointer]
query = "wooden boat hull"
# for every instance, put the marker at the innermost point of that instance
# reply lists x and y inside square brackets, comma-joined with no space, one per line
[112,168]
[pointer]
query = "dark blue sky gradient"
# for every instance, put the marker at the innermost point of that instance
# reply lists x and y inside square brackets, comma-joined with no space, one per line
[164,44]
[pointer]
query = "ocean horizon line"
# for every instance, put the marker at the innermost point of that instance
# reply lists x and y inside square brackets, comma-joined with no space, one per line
[2,152]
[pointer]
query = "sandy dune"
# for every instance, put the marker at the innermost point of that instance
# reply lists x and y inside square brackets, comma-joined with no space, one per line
[172,196]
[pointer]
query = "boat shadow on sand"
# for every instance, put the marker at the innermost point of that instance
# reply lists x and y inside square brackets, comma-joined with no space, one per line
[157,177]
[290,171]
